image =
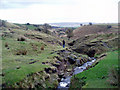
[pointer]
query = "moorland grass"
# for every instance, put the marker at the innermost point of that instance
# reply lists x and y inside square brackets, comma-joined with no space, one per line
[10,61]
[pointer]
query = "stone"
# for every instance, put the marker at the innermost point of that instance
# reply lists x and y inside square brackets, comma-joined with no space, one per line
[3,74]
[47,70]
[62,51]
[60,75]
[91,53]
[18,67]
[81,61]
[71,43]
[43,62]
[54,70]
[78,62]
[47,76]
[58,79]
[102,55]
[52,52]
[56,64]
[69,70]
[33,62]
[71,60]
[74,56]
[37,73]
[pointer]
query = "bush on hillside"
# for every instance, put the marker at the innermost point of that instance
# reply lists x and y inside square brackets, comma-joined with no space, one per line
[81,24]
[21,52]
[21,39]
[27,23]
[90,23]
[42,47]
[6,44]
[69,33]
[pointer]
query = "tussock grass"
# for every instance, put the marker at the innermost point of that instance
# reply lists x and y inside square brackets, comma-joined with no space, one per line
[28,52]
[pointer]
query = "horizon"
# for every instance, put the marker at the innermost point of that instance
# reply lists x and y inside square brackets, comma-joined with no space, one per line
[64,22]
[45,11]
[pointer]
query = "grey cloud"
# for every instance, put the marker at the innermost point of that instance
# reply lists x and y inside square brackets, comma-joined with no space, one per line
[9,4]
[17,4]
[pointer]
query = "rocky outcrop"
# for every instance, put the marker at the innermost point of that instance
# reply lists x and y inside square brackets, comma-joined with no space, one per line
[71,43]
[91,53]
[71,60]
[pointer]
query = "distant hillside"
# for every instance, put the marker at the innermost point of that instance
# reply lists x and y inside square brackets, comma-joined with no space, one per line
[7,24]
[93,29]
[69,24]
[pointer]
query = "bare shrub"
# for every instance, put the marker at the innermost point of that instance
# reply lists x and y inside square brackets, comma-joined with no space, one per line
[21,52]
[21,39]
[42,47]
[6,44]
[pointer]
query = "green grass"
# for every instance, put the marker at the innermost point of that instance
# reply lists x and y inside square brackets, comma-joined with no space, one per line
[10,61]
[94,75]
[31,27]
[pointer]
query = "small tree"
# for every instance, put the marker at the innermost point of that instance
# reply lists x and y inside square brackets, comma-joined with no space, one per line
[81,24]
[28,23]
[69,33]
[45,28]
[1,23]
[4,23]
[90,23]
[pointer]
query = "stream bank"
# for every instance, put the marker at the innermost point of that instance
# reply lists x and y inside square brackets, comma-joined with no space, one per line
[79,63]
[65,82]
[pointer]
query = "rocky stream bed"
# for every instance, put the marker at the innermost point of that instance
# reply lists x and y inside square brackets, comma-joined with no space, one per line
[68,64]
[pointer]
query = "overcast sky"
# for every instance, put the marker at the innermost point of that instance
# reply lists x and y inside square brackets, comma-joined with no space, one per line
[51,11]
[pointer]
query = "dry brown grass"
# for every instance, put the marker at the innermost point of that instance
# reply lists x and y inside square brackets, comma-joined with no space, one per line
[21,52]
[35,48]
[92,29]
[42,47]
[6,44]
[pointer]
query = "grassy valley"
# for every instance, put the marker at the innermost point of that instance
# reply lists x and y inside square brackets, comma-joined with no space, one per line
[33,56]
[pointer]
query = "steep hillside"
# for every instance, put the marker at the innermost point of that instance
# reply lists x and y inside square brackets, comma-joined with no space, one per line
[93,29]
[23,54]
[6,24]
[100,38]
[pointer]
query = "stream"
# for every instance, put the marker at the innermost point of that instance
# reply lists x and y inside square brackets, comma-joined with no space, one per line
[65,82]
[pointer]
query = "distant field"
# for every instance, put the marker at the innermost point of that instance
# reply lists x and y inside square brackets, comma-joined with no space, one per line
[113,24]
[30,27]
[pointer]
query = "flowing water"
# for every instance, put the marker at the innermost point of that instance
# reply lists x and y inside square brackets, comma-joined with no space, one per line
[65,82]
